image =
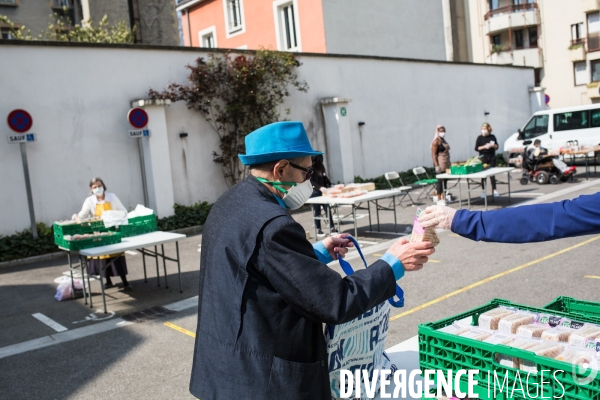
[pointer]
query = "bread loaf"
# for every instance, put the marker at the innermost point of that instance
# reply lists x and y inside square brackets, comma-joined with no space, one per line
[476,334]
[513,362]
[490,319]
[420,234]
[455,329]
[559,334]
[582,335]
[548,349]
[499,338]
[531,330]
[511,323]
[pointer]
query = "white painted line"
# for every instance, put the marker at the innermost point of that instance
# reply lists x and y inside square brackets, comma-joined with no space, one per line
[62,337]
[183,304]
[132,253]
[545,198]
[50,322]
[525,194]
[365,242]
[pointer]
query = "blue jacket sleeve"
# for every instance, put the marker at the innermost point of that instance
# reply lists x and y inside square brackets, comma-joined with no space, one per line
[534,223]
[322,253]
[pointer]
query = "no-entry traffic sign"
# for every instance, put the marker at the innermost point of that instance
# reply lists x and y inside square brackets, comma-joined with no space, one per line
[19,121]
[138,118]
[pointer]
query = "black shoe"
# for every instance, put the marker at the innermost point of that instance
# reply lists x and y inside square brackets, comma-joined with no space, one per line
[333,230]
[320,233]
[127,288]
[109,285]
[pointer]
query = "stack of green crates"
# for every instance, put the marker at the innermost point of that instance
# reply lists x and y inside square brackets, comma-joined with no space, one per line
[465,169]
[60,231]
[444,351]
[138,226]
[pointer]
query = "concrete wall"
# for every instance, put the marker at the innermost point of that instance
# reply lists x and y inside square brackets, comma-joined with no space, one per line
[392,28]
[80,119]
[115,10]
[34,14]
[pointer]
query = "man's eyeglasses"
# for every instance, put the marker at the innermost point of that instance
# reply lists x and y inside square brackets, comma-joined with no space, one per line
[309,171]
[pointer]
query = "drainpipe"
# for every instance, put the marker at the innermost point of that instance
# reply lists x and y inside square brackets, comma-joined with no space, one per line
[447,16]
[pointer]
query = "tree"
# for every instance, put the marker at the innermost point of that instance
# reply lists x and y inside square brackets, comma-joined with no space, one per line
[237,94]
[62,31]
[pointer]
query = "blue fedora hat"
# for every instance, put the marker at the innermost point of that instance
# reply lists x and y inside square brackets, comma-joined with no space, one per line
[277,141]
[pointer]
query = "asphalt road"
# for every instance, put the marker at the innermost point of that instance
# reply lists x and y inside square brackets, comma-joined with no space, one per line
[102,356]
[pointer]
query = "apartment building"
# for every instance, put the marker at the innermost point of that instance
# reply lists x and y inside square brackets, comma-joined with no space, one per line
[408,28]
[560,40]
[155,20]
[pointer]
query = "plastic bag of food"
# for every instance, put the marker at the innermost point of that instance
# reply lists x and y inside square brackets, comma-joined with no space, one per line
[477,334]
[511,323]
[500,338]
[585,358]
[420,234]
[531,330]
[546,349]
[456,328]
[580,336]
[64,291]
[558,334]
[490,319]
[521,343]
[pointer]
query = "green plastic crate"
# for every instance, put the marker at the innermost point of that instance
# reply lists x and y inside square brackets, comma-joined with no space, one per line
[87,243]
[138,226]
[443,351]
[75,229]
[465,169]
[574,307]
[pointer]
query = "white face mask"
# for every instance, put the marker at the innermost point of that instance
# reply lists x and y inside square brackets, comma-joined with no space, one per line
[297,195]
[442,134]
[98,191]
[484,132]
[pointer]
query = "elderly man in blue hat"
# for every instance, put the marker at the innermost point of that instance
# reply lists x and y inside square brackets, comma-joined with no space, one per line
[265,291]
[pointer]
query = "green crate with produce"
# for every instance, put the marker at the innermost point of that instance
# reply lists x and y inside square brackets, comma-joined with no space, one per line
[87,240]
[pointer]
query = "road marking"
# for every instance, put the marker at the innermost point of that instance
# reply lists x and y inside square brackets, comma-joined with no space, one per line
[430,260]
[132,253]
[491,278]
[453,235]
[365,242]
[377,254]
[50,322]
[180,329]
[592,276]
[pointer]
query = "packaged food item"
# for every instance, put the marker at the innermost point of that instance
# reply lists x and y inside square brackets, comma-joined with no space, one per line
[551,321]
[580,336]
[520,343]
[456,328]
[490,319]
[420,234]
[558,334]
[511,323]
[531,330]
[585,358]
[477,334]
[500,338]
[545,349]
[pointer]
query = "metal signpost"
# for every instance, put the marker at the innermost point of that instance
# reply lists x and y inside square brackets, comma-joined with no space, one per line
[138,118]
[20,121]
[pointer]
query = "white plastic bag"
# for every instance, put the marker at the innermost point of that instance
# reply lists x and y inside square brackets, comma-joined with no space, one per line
[64,290]
[140,211]
[560,164]
[114,218]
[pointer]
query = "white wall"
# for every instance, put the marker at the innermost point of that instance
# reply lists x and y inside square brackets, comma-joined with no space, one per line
[392,28]
[80,97]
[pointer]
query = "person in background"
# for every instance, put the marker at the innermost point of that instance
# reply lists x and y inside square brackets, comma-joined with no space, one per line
[93,206]
[319,179]
[537,151]
[486,144]
[440,153]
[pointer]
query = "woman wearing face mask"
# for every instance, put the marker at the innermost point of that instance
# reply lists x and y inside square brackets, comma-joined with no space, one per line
[486,144]
[318,180]
[94,206]
[440,153]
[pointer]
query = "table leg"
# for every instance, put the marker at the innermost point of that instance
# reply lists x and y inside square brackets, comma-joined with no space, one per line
[84,260]
[508,177]
[162,246]
[485,193]
[459,194]
[178,266]
[369,208]
[395,219]
[468,194]
[377,210]
[85,294]
[156,259]
[354,218]
[586,168]
[102,289]
[71,272]
[144,262]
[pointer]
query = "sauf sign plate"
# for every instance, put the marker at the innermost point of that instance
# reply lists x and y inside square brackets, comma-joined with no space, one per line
[24,138]
[138,133]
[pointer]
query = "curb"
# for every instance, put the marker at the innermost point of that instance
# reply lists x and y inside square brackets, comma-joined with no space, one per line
[190,231]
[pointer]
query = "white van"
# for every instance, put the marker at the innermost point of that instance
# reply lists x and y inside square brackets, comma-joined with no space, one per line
[556,127]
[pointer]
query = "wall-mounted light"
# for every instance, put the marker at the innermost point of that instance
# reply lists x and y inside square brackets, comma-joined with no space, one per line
[486,113]
[183,134]
[361,123]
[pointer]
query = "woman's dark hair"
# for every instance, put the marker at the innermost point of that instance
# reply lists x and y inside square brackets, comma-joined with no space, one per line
[96,179]
[317,164]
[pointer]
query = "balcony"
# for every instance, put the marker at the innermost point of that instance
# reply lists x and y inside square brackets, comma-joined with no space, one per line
[593,42]
[592,90]
[514,17]
[519,57]
[577,50]
[590,5]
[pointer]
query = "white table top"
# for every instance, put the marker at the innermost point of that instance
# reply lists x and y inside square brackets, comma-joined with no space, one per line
[478,175]
[405,356]
[373,195]
[134,242]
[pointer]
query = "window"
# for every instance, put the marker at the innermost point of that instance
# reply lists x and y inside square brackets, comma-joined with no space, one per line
[593,29]
[5,33]
[580,72]
[595,118]
[577,33]
[493,4]
[533,37]
[571,120]
[11,2]
[538,125]
[234,16]
[537,77]
[208,38]
[496,39]
[519,39]
[287,25]
[595,67]
[62,3]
